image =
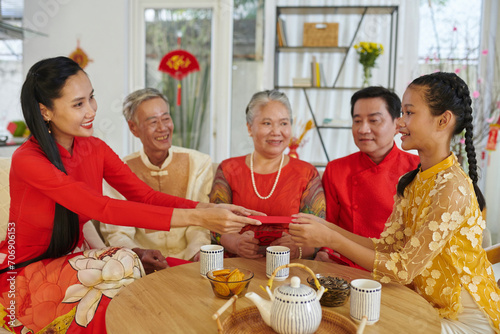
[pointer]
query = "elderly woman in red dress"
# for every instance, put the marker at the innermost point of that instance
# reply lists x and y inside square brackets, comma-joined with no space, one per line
[267,180]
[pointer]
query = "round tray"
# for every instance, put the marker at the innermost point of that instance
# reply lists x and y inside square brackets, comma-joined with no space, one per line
[248,320]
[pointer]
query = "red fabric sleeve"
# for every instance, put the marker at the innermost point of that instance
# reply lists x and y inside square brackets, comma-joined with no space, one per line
[38,173]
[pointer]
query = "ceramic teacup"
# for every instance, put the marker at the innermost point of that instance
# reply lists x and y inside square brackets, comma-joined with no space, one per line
[211,257]
[365,300]
[277,256]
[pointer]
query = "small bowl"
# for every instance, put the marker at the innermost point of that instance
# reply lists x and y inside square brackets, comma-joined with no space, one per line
[339,288]
[237,284]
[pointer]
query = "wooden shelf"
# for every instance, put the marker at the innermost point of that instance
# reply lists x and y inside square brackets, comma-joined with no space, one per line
[304,49]
[358,14]
[321,165]
[341,10]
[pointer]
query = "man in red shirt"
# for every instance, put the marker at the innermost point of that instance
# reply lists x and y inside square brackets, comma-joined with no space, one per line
[360,187]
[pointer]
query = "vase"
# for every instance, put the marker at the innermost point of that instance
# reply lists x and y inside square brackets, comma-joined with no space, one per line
[293,151]
[367,74]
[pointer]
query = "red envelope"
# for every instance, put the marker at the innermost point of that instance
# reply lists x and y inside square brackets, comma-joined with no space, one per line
[272,219]
[173,261]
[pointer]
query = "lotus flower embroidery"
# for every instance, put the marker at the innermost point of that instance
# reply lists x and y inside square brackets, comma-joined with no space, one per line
[100,272]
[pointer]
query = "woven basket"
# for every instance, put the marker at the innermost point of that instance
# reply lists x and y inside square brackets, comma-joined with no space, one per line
[248,320]
[321,34]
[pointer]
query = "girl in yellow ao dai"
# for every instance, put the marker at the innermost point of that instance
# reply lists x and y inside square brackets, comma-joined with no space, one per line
[432,240]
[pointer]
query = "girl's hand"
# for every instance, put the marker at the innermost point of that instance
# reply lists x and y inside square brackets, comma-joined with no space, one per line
[310,231]
[309,217]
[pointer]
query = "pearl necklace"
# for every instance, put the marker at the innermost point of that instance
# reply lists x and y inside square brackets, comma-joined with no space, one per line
[275,182]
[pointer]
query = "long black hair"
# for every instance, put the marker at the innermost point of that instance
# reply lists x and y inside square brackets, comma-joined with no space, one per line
[447,91]
[44,83]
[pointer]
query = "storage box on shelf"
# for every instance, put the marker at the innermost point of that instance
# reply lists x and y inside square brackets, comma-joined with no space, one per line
[321,34]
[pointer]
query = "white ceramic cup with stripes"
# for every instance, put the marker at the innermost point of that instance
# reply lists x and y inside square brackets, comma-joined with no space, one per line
[211,257]
[365,300]
[277,256]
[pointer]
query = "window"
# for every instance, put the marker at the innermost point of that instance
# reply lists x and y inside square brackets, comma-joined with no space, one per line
[208,39]
[248,44]
[450,37]
[190,30]
[11,57]
[450,41]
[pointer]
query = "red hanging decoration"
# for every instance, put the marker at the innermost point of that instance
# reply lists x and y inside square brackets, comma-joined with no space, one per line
[179,94]
[79,56]
[178,64]
[491,145]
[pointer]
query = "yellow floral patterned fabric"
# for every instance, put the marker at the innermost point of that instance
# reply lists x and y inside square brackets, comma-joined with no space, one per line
[433,240]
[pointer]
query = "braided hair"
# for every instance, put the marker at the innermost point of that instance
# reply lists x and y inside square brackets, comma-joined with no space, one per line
[447,91]
[44,83]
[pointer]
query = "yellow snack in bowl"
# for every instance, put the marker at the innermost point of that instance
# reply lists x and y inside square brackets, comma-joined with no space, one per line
[238,287]
[221,288]
[226,277]
[236,276]
[221,272]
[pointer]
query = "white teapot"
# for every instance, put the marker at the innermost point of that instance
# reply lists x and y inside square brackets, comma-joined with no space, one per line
[293,308]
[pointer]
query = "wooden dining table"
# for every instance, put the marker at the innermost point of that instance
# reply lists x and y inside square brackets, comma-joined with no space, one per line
[180,300]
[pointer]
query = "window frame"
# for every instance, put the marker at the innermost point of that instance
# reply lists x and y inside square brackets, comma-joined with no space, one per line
[221,59]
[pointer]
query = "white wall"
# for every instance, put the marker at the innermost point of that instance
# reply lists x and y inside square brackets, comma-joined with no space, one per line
[247,80]
[101,27]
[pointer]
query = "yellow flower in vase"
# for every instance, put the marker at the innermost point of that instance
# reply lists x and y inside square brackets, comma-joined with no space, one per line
[368,53]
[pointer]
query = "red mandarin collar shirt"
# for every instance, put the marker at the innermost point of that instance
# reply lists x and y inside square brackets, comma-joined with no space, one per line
[360,194]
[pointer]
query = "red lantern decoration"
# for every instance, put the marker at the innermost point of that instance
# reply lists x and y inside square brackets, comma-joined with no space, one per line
[178,64]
